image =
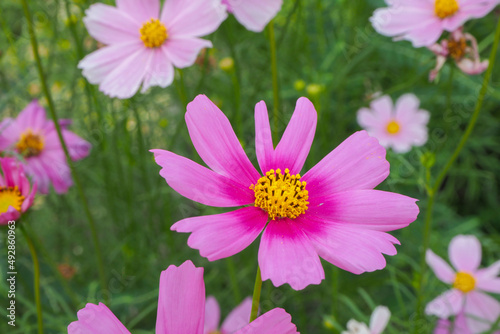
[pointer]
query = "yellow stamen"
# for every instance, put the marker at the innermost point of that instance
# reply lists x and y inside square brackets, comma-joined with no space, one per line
[10,197]
[30,144]
[464,282]
[445,8]
[393,127]
[153,33]
[456,49]
[281,195]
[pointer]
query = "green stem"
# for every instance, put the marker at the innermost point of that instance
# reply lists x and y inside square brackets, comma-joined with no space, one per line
[274,71]
[256,295]
[34,45]
[234,279]
[36,283]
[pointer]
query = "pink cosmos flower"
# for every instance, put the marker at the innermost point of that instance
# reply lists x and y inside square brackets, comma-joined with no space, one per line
[34,137]
[253,14]
[458,326]
[236,319]
[399,127]
[466,57]
[423,21]
[144,45]
[181,309]
[468,283]
[331,211]
[378,322]
[16,193]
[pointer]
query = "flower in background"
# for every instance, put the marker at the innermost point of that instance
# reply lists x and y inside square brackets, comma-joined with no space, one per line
[236,319]
[181,309]
[253,14]
[144,45]
[399,127]
[466,57]
[423,21]
[378,322]
[331,211]
[468,283]
[16,193]
[35,139]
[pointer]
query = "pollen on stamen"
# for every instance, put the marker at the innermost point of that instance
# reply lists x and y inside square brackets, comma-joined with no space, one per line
[30,144]
[10,197]
[446,8]
[153,33]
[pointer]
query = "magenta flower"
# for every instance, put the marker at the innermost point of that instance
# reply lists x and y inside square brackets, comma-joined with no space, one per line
[253,14]
[378,322]
[331,211]
[34,137]
[144,45]
[399,127]
[423,21]
[236,319]
[468,283]
[16,193]
[181,309]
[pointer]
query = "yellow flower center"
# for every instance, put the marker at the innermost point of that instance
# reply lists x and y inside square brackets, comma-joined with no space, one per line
[153,33]
[456,49]
[445,8]
[30,144]
[281,195]
[464,282]
[10,197]
[393,127]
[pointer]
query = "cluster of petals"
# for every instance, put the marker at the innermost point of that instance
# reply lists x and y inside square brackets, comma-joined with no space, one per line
[238,318]
[378,322]
[181,309]
[467,297]
[466,57]
[422,21]
[42,154]
[458,326]
[16,192]
[346,219]
[399,126]
[253,14]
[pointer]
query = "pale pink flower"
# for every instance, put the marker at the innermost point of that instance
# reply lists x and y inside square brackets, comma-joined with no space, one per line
[331,211]
[466,57]
[34,138]
[468,283]
[235,320]
[181,309]
[16,193]
[399,127]
[253,14]
[378,322]
[458,326]
[144,45]
[423,21]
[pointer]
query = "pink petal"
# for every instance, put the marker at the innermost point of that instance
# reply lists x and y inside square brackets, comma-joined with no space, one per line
[96,319]
[439,266]
[199,183]
[371,209]
[182,52]
[181,302]
[32,117]
[406,106]
[357,163]
[238,317]
[481,311]
[223,235]
[489,285]
[10,133]
[295,144]
[382,107]
[140,11]
[367,119]
[379,319]
[194,19]
[78,148]
[490,272]
[256,14]
[447,304]
[286,255]
[426,34]
[465,253]
[276,321]
[263,139]
[109,25]
[160,71]
[212,315]
[472,67]
[217,144]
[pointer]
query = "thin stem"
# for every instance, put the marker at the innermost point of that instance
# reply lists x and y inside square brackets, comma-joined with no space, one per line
[34,45]
[274,71]
[234,279]
[256,295]
[36,280]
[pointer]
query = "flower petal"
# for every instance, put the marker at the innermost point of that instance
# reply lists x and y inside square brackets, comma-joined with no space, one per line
[140,11]
[181,301]
[264,148]
[489,285]
[160,71]
[212,315]
[256,14]
[238,317]
[276,321]
[200,184]
[447,304]
[481,311]
[286,255]
[439,266]
[379,319]
[491,271]
[465,253]
[217,144]
[182,52]
[109,25]
[223,235]
[96,319]
[33,117]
